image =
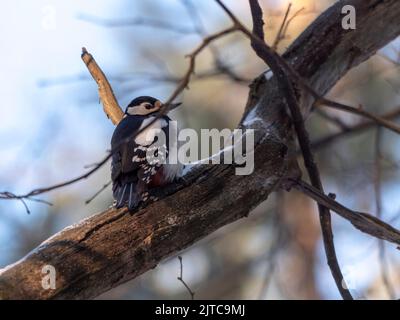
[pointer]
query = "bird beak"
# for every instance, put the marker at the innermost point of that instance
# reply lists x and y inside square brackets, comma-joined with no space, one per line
[173,106]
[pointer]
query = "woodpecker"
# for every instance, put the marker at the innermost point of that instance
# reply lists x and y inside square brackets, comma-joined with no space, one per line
[132,174]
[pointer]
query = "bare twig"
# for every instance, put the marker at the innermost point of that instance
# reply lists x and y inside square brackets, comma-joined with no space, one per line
[98,192]
[297,13]
[180,278]
[320,100]
[324,141]
[6,195]
[221,67]
[192,58]
[362,221]
[38,191]
[358,111]
[280,35]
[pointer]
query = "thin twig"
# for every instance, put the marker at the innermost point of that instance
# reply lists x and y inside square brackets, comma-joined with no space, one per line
[280,35]
[361,220]
[180,278]
[321,101]
[324,141]
[284,26]
[6,195]
[291,19]
[220,66]
[98,192]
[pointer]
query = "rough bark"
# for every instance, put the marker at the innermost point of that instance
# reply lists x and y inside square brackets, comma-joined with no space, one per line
[112,247]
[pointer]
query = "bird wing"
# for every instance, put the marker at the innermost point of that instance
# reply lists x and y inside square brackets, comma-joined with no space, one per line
[125,149]
[129,156]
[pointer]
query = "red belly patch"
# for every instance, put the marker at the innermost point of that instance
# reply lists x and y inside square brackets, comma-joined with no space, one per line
[158,179]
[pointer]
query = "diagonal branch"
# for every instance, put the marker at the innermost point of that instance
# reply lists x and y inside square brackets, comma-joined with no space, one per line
[106,94]
[358,128]
[358,111]
[363,221]
[180,278]
[281,33]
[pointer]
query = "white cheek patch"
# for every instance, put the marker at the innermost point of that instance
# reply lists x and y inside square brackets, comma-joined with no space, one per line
[134,110]
[146,137]
[130,111]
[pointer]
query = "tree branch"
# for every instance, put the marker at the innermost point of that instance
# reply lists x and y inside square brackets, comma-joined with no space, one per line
[281,32]
[358,128]
[106,94]
[362,221]
[113,247]
[180,278]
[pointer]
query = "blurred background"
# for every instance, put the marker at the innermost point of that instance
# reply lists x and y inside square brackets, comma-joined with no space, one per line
[52,126]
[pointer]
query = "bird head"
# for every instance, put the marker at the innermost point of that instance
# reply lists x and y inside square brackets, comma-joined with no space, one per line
[146,105]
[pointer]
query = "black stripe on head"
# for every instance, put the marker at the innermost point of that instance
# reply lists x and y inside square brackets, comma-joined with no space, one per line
[143,106]
[137,101]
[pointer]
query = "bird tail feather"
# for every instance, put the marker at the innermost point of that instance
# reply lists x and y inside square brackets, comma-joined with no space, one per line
[127,195]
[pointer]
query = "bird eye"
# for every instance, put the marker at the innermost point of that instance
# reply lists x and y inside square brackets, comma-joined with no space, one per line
[148,106]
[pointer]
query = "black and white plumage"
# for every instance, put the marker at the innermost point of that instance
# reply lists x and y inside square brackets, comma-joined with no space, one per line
[132,174]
